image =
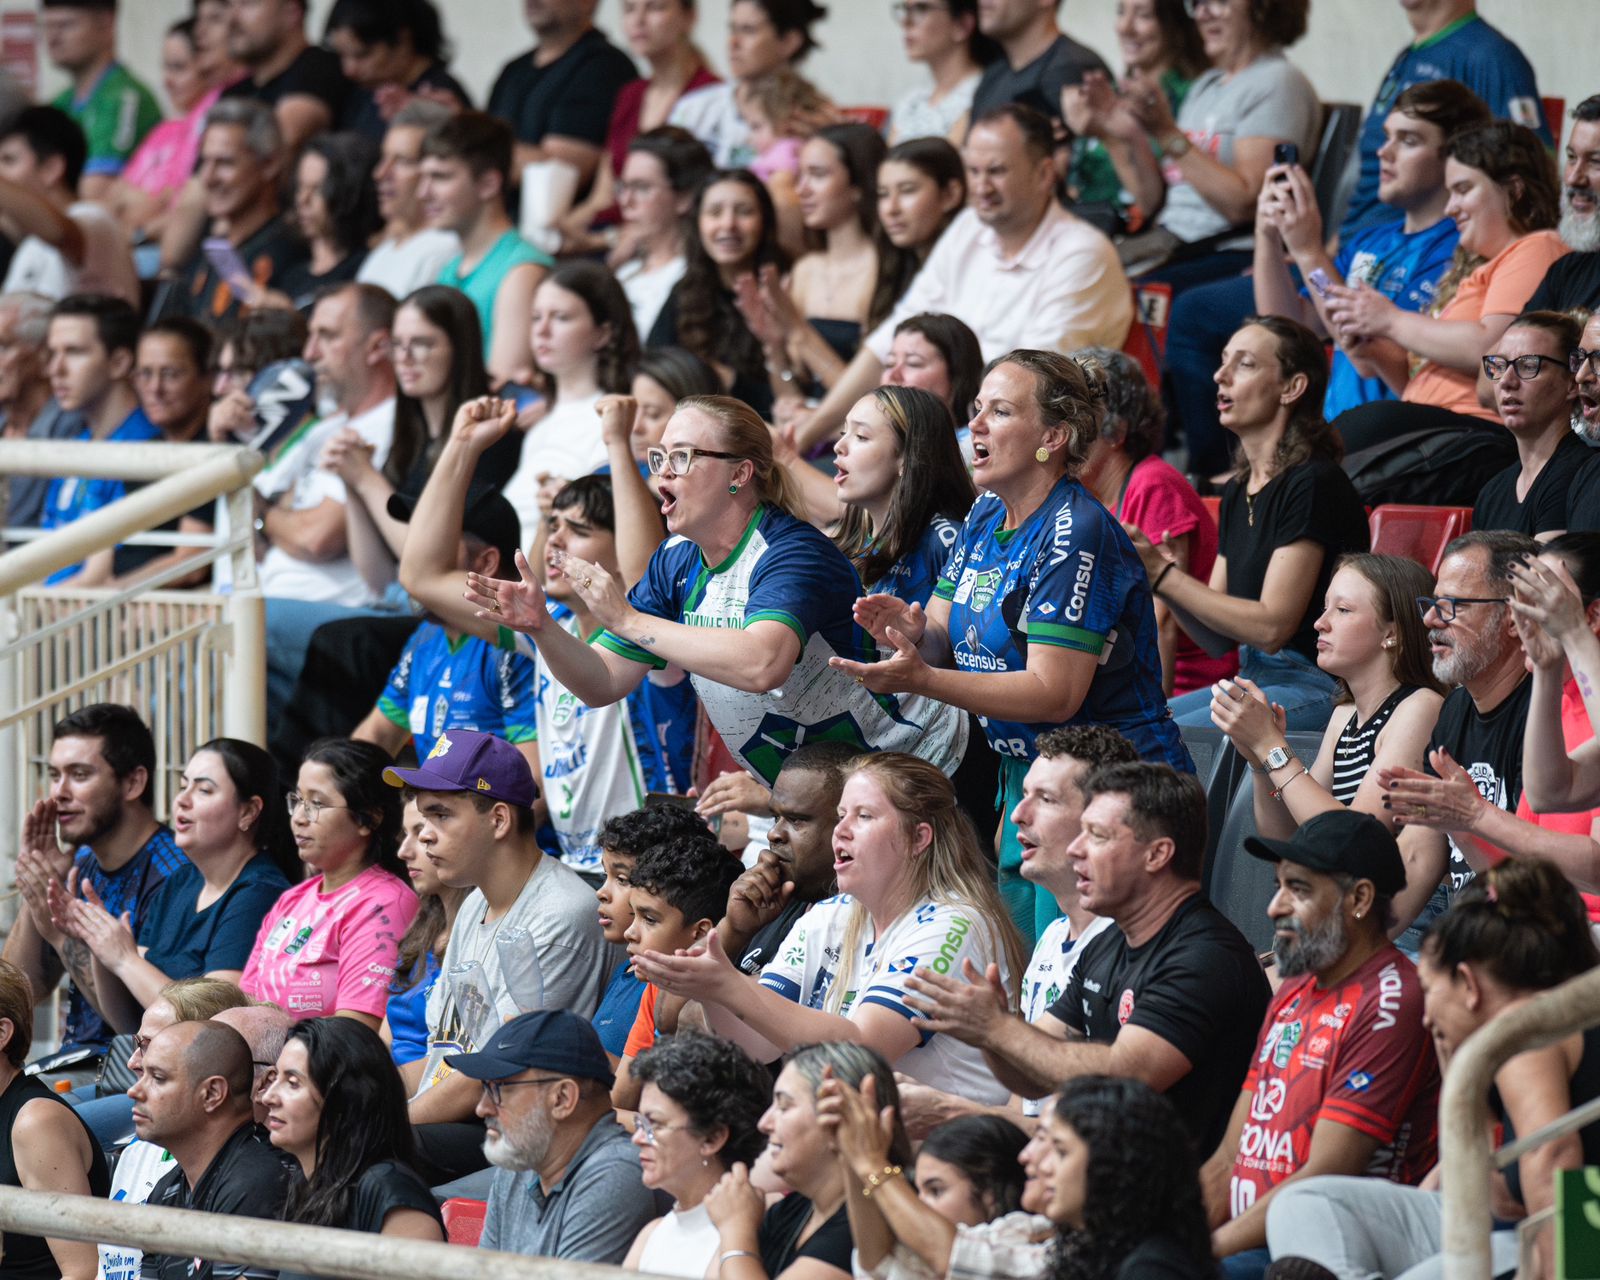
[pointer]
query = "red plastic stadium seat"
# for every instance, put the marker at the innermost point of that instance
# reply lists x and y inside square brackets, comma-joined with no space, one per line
[1214,506]
[463,1221]
[1555,115]
[876,117]
[1417,533]
[1147,335]
[1142,349]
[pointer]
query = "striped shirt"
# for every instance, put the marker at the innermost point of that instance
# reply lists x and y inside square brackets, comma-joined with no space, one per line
[1357,747]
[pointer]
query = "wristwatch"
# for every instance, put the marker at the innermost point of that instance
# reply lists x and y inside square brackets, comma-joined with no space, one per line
[1175,146]
[1277,758]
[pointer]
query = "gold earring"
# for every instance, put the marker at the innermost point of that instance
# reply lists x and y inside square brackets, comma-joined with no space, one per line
[1041,454]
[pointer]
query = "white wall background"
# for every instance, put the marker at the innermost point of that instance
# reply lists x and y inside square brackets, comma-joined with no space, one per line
[1350,44]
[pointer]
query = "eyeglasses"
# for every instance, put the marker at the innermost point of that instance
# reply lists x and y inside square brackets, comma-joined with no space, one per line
[418,349]
[295,802]
[1528,367]
[1448,606]
[492,1088]
[1193,7]
[169,377]
[915,11]
[141,1043]
[1580,360]
[678,461]
[639,188]
[649,1131]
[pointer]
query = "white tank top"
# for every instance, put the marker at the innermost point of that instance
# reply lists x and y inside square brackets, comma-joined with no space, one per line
[683,1244]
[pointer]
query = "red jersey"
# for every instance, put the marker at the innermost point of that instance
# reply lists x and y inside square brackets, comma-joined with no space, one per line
[1356,1054]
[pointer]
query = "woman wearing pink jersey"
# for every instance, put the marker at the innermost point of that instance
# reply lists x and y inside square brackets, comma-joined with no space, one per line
[330,944]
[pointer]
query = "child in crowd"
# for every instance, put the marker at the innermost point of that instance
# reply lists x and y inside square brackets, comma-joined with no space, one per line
[782,109]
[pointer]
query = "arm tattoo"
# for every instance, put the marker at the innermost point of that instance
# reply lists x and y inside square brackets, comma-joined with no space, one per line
[80,964]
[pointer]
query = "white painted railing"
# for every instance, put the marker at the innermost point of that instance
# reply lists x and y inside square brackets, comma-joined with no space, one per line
[1464,1152]
[191,662]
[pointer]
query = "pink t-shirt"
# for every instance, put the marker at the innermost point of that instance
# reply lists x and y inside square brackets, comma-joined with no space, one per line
[1160,501]
[320,952]
[165,159]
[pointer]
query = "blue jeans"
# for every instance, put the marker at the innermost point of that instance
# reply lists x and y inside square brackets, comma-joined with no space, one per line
[1298,685]
[110,1119]
[1251,1264]
[289,627]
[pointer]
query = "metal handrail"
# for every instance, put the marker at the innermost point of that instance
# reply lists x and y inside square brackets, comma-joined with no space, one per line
[321,1251]
[1464,1150]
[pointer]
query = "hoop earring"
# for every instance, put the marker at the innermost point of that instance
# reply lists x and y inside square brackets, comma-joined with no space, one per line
[1041,454]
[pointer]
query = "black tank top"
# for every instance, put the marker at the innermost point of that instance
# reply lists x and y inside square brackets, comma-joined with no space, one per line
[1584,1086]
[29,1257]
[1357,746]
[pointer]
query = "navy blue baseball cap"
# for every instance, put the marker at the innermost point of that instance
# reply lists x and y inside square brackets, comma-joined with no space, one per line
[548,1040]
[466,760]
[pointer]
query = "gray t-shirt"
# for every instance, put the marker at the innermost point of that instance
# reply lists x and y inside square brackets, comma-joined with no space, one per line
[591,1215]
[23,496]
[557,909]
[1270,98]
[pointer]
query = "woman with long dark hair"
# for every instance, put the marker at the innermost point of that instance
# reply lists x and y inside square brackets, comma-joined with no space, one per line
[228,821]
[660,178]
[922,186]
[336,210]
[391,51]
[1288,514]
[969,1170]
[346,823]
[939,353]
[735,235]
[337,1106]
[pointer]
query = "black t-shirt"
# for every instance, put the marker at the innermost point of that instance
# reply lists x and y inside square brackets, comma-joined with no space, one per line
[1489,748]
[1198,985]
[1314,501]
[1544,510]
[734,346]
[1037,84]
[1583,496]
[361,114]
[829,1243]
[1571,283]
[764,946]
[303,285]
[269,255]
[570,98]
[1160,1259]
[315,73]
[383,1188]
[247,1178]
[29,1257]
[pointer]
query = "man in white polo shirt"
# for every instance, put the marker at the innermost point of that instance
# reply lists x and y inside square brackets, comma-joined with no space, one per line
[1015,266]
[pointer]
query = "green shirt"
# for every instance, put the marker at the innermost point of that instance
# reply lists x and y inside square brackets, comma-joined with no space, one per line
[115,116]
[483,282]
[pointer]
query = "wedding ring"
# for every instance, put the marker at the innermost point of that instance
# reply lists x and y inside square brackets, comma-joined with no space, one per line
[587,583]
[1424,813]
[861,679]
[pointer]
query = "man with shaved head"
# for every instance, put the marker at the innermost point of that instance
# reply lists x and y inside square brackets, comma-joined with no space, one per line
[264,1027]
[193,1097]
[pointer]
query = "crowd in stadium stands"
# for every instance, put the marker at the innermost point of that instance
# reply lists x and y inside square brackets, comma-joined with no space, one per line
[748,581]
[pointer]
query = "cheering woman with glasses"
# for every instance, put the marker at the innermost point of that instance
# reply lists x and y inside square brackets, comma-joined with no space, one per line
[330,945]
[746,596]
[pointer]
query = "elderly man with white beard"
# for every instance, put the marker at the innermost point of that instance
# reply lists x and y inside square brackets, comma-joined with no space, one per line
[1475,753]
[567,1181]
[1583,497]
[1573,283]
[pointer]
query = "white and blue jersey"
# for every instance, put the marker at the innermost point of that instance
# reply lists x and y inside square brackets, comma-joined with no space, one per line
[937,935]
[1067,576]
[1406,269]
[913,576]
[441,684]
[666,715]
[1468,50]
[783,570]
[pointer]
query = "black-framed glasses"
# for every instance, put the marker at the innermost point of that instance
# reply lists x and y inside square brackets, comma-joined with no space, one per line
[1528,367]
[294,801]
[492,1088]
[679,460]
[1580,360]
[915,11]
[1448,606]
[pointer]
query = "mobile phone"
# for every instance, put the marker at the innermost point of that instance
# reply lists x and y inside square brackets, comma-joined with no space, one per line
[1319,281]
[1286,153]
[227,263]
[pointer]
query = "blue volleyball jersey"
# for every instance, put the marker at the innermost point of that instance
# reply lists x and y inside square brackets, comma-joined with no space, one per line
[783,570]
[913,576]
[1067,576]
[441,684]
[666,716]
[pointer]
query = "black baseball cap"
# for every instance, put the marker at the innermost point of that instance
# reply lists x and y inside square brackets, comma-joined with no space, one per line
[489,517]
[548,1040]
[1340,840]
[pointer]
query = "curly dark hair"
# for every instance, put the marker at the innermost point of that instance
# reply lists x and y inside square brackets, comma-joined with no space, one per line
[630,834]
[709,324]
[691,873]
[1142,1179]
[1280,22]
[718,1084]
[1094,744]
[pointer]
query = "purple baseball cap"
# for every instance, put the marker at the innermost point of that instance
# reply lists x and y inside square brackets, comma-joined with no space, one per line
[465,760]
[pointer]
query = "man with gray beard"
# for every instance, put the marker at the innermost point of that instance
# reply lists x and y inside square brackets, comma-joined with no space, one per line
[1475,753]
[1583,497]
[567,1181]
[1573,283]
[1344,1080]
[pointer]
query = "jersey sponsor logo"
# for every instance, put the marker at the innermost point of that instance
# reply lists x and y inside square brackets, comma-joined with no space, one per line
[1079,601]
[566,707]
[1315,1054]
[973,655]
[1526,112]
[1266,1146]
[441,715]
[926,912]
[1062,534]
[1280,1043]
[1391,989]
[1012,747]
[1358,1082]
[1125,1007]
[984,586]
[1046,609]
[950,948]
[1271,1093]
[963,591]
